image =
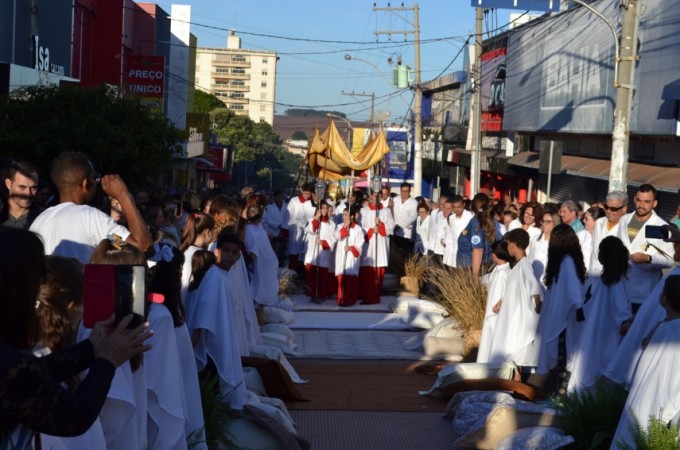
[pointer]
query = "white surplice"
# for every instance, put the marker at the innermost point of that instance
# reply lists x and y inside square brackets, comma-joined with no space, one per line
[456,227]
[186,271]
[191,391]
[316,254]
[601,230]
[376,249]
[298,214]
[655,390]
[347,262]
[622,364]
[558,313]
[213,313]
[245,304]
[513,337]
[423,243]
[538,257]
[497,282]
[265,282]
[166,417]
[604,313]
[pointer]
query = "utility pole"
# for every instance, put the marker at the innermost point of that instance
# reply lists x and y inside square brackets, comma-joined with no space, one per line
[372,95]
[475,157]
[418,100]
[625,89]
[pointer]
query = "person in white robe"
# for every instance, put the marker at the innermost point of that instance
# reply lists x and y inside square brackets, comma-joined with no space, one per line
[214,324]
[605,310]
[655,390]
[585,236]
[458,220]
[378,224]
[565,277]
[440,226]
[197,235]
[538,248]
[265,280]
[495,291]
[348,257]
[615,206]
[651,313]
[513,337]
[648,256]
[321,237]
[275,223]
[300,210]
[423,245]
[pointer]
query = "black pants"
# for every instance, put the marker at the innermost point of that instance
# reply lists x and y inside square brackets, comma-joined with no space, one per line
[401,249]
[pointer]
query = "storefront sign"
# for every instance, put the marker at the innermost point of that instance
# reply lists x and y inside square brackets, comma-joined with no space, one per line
[42,60]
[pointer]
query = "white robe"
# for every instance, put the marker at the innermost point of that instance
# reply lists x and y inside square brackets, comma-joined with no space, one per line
[423,244]
[376,250]
[456,227]
[191,391]
[622,364]
[265,282]
[299,213]
[441,227]
[604,313]
[585,239]
[275,218]
[497,282]
[245,304]
[186,270]
[405,215]
[656,386]
[513,337]
[643,277]
[558,313]
[538,257]
[166,416]
[214,314]
[345,261]
[316,255]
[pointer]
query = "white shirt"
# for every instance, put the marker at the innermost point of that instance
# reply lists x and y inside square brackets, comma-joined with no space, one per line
[73,231]
[405,215]
[275,218]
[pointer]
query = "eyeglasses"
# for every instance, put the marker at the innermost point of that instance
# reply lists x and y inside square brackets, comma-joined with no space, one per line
[613,208]
[547,221]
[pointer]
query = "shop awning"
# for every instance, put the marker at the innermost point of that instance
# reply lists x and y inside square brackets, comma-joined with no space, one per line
[491,160]
[665,179]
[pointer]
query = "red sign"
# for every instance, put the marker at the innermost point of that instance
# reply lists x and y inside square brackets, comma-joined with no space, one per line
[144,75]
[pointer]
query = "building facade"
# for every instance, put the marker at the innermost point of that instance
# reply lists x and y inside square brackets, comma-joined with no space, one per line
[245,80]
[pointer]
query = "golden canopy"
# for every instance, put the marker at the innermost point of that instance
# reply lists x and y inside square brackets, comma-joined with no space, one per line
[329,158]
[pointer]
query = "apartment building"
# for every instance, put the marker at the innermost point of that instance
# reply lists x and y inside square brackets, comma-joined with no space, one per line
[245,80]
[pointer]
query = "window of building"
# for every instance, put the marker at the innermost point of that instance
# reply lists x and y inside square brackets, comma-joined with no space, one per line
[264,84]
[237,95]
[264,60]
[222,69]
[239,83]
[238,58]
[221,83]
[264,73]
[263,96]
[262,119]
[238,70]
[235,106]
[263,108]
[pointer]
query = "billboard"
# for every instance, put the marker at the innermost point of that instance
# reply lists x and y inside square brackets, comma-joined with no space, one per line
[144,77]
[493,89]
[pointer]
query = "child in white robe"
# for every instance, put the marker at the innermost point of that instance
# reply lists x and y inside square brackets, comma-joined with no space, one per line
[605,310]
[496,288]
[655,391]
[213,323]
[378,225]
[196,236]
[265,281]
[321,243]
[565,276]
[347,257]
[513,337]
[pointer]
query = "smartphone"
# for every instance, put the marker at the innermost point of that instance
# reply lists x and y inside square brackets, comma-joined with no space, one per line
[109,289]
[655,232]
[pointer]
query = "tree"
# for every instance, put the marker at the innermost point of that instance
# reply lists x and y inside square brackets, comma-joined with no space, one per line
[299,136]
[205,102]
[120,134]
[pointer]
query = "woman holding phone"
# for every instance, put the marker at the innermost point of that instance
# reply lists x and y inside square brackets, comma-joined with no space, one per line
[32,398]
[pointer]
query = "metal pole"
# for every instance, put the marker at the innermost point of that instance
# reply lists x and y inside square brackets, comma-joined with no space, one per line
[550,166]
[417,113]
[624,98]
[475,159]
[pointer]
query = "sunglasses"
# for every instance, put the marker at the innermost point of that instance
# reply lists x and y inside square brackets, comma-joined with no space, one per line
[613,208]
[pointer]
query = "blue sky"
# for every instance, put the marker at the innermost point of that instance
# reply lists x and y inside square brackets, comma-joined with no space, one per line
[314,74]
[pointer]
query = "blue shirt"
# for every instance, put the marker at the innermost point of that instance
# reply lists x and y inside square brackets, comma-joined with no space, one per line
[472,237]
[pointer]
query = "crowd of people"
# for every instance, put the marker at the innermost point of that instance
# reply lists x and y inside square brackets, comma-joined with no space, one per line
[578,294]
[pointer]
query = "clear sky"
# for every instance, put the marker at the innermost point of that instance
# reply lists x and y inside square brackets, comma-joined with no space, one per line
[312,38]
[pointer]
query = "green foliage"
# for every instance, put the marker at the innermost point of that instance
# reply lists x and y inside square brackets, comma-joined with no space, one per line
[657,436]
[299,136]
[205,102]
[216,415]
[300,112]
[591,418]
[120,134]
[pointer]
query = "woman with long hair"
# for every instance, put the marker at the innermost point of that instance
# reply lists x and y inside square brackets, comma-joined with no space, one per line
[537,253]
[529,218]
[606,308]
[265,279]
[197,235]
[559,329]
[32,399]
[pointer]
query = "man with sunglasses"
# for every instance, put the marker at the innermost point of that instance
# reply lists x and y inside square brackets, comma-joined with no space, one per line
[615,206]
[647,256]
